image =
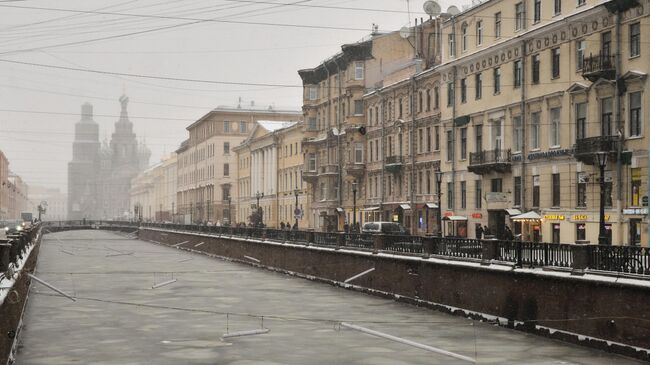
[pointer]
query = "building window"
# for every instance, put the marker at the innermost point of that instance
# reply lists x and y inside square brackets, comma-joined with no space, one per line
[582,190]
[518,133]
[242,127]
[517,73]
[606,44]
[463,195]
[452,45]
[428,98]
[358,71]
[226,148]
[496,185]
[581,2]
[226,169]
[436,97]
[420,101]
[313,93]
[370,144]
[519,16]
[428,139]
[557,7]
[400,109]
[555,62]
[497,25]
[517,191]
[450,145]
[608,189]
[534,130]
[537,11]
[479,32]
[555,127]
[635,39]
[450,94]
[358,153]
[463,39]
[606,116]
[580,53]
[635,114]
[478,79]
[463,90]
[420,145]
[497,80]
[311,124]
[635,188]
[311,162]
[555,190]
[478,137]
[581,231]
[450,195]
[226,127]
[358,107]
[463,143]
[535,68]
[437,138]
[581,120]
[225,192]
[536,191]
[478,198]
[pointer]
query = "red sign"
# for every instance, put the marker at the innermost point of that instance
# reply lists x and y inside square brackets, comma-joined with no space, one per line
[477,215]
[449,214]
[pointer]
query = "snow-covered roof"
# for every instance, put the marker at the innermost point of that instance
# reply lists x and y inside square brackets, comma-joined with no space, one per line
[273,126]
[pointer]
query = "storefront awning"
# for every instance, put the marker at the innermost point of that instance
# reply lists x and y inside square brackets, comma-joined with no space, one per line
[432,205]
[405,206]
[369,209]
[455,218]
[529,216]
[513,212]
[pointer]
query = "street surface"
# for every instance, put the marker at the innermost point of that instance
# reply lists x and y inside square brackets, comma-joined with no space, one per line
[119,319]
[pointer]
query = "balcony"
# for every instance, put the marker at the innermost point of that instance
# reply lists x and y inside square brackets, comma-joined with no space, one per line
[310,177]
[325,170]
[394,164]
[355,169]
[497,201]
[485,162]
[599,66]
[586,148]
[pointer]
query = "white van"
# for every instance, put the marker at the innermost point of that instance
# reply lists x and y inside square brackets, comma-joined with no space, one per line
[384,227]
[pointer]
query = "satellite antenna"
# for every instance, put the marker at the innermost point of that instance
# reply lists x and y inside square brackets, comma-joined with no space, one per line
[453,10]
[432,8]
[405,32]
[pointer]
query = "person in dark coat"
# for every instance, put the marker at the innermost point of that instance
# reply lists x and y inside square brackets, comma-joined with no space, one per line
[282,226]
[486,231]
[508,234]
[479,232]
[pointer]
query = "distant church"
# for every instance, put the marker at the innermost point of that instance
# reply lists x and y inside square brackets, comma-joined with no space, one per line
[99,175]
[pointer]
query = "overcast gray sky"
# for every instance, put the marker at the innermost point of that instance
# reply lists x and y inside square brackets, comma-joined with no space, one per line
[39,106]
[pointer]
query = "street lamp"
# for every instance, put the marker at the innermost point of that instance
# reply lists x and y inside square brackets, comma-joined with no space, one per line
[295,212]
[602,162]
[354,206]
[438,183]
[259,195]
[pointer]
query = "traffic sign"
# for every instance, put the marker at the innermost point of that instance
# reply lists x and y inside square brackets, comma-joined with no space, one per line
[297,212]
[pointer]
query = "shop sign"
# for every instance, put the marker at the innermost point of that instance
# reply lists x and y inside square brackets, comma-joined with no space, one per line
[477,215]
[449,214]
[639,211]
[554,217]
[580,217]
[549,154]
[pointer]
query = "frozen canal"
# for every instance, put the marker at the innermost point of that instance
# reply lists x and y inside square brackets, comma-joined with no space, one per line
[119,319]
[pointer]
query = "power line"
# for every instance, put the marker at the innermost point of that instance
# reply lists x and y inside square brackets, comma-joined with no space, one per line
[149,76]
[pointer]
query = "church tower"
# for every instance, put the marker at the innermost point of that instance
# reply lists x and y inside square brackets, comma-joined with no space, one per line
[82,170]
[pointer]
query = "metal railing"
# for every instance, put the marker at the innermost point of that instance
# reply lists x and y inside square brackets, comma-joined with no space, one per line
[598,63]
[490,157]
[603,258]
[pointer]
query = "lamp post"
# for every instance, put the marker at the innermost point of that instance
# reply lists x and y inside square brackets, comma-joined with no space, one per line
[439,218]
[295,212]
[354,206]
[259,195]
[602,162]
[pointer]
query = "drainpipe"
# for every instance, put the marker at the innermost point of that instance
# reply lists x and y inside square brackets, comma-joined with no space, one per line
[338,137]
[382,103]
[619,129]
[412,153]
[453,136]
[523,129]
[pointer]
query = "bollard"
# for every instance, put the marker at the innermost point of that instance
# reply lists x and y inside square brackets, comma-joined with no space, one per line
[379,242]
[580,252]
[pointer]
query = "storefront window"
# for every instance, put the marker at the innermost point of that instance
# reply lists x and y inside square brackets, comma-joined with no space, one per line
[635,190]
[556,232]
[581,232]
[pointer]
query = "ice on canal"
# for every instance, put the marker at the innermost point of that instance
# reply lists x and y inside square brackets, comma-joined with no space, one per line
[141,303]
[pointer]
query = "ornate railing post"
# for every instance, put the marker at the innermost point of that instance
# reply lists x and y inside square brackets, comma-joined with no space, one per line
[428,246]
[489,251]
[379,242]
[519,254]
[581,255]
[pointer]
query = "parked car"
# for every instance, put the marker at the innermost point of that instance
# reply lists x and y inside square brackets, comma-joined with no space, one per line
[384,227]
[12,226]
